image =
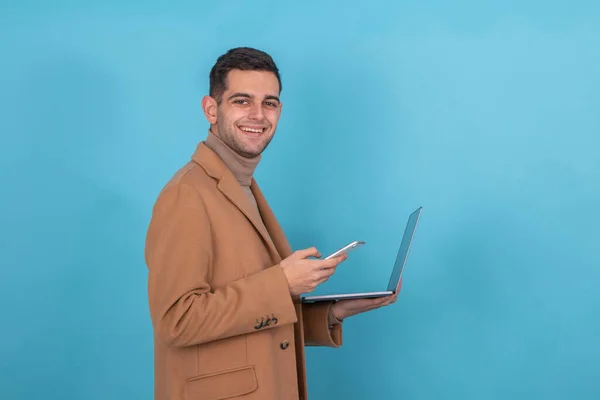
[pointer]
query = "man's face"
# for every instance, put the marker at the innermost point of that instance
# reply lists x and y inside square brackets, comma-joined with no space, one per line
[246,118]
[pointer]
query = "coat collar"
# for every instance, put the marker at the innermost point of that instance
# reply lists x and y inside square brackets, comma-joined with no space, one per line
[229,186]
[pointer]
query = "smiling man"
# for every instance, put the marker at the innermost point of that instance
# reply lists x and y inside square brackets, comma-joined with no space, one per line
[245,114]
[224,285]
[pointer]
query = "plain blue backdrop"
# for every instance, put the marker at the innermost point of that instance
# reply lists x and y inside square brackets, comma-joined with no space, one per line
[487,115]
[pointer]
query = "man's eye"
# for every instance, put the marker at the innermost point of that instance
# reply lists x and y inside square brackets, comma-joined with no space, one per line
[271,104]
[240,101]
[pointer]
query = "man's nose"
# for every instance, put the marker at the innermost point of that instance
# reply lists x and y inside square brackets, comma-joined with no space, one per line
[256,112]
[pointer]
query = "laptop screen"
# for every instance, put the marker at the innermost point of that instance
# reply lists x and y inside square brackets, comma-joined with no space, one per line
[409,232]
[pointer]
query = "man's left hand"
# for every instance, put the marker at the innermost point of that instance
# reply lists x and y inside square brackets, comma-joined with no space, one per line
[347,308]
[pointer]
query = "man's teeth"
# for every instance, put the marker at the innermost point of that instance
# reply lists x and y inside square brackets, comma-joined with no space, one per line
[251,130]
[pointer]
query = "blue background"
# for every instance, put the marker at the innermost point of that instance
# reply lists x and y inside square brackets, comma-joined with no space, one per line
[487,115]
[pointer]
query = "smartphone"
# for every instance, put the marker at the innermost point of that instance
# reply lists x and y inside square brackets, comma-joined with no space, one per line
[346,249]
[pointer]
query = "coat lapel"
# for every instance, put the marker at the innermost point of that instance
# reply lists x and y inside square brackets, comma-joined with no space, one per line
[275,231]
[230,187]
[232,190]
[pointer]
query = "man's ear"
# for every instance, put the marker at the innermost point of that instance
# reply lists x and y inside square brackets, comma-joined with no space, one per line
[209,106]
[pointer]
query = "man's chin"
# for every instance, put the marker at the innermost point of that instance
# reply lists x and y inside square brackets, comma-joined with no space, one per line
[250,151]
[253,148]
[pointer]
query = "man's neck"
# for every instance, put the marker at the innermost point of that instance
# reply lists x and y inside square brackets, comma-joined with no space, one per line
[242,167]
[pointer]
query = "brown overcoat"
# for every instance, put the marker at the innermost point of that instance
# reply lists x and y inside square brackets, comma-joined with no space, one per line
[225,324]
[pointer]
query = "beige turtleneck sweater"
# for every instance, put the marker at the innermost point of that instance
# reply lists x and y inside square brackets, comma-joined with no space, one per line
[243,169]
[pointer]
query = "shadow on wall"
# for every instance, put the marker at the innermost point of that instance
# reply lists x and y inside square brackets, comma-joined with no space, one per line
[76,246]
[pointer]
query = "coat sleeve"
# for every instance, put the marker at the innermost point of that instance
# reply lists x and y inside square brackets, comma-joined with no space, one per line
[317,329]
[184,308]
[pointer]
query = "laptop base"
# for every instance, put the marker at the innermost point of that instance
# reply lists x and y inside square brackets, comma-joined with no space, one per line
[336,297]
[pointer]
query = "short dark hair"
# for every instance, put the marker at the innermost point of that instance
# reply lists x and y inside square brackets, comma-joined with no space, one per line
[242,58]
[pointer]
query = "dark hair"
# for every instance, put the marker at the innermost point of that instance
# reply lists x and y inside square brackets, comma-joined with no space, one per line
[242,58]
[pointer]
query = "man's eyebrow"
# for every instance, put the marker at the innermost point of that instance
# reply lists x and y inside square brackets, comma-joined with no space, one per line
[246,95]
[271,97]
[239,95]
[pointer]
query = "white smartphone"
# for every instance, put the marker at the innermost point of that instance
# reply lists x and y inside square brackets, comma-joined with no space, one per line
[346,249]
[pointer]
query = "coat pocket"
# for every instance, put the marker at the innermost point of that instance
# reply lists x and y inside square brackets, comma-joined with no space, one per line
[222,384]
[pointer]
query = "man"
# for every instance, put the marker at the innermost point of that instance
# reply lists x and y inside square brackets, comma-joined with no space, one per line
[224,286]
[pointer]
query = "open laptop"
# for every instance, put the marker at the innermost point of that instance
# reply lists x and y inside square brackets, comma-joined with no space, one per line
[394,282]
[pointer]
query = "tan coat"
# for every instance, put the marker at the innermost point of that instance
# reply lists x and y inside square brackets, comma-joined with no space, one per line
[225,324]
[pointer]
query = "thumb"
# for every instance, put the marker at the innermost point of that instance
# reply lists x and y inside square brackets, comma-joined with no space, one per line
[305,253]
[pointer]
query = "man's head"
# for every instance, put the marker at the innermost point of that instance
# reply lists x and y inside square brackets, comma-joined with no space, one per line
[243,105]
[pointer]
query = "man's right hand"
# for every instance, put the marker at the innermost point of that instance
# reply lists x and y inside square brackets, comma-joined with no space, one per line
[305,275]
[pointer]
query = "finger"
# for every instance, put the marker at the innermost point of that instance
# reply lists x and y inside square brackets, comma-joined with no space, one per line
[325,273]
[373,303]
[374,306]
[370,302]
[322,278]
[309,252]
[382,301]
[332,262]
[390,301]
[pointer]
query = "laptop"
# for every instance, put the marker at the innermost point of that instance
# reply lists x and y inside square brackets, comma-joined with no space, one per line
[394,282]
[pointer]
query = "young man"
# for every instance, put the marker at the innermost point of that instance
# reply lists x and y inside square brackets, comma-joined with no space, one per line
[224,285]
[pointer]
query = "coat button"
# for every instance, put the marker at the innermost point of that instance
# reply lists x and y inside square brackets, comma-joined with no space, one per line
[285,344]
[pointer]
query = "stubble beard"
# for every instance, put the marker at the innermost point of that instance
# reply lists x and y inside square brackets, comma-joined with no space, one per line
[228,134]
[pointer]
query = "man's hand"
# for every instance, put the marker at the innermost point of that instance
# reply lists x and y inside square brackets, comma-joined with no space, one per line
[347,308]
[305,275]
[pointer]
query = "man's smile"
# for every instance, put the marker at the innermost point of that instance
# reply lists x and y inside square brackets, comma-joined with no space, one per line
[253,131]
